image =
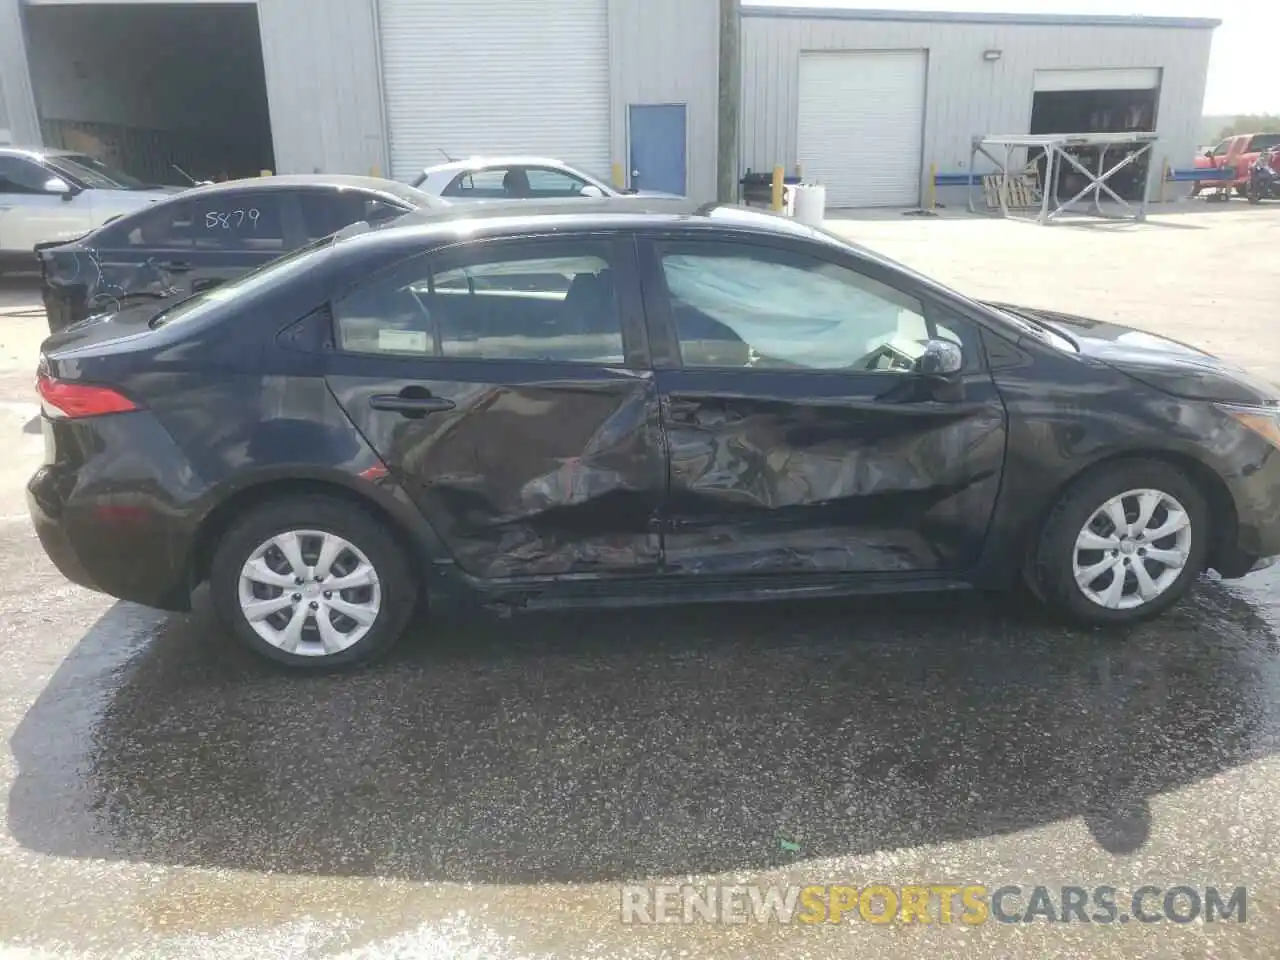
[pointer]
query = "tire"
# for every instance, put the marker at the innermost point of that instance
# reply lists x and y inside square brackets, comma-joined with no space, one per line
[1058,552]
[383,602]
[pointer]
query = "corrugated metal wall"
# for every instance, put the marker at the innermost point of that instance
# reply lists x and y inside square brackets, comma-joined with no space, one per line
[667,51]
[17,102]
[323,85]
[966,95]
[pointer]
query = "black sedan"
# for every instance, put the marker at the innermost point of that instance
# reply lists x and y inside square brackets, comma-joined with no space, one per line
[203,237]
[631,402]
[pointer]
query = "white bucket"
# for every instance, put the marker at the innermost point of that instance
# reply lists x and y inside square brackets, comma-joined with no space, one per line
[811,204]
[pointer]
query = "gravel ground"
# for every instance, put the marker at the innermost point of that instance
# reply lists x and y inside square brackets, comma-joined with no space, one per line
[484,793]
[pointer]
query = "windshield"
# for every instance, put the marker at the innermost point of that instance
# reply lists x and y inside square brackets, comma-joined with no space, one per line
[194,307]
[93,173]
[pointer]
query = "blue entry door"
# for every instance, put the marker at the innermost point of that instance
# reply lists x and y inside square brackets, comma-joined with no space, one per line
[658,148]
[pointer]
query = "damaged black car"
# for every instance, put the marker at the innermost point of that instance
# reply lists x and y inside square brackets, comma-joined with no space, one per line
[631,402]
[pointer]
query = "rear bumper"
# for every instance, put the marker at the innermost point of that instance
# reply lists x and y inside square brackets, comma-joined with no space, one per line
[129,545]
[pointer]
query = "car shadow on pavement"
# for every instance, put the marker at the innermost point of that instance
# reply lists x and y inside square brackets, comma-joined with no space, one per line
[601,746]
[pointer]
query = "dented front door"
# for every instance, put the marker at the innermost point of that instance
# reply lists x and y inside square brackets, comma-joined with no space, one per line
[506,387]
[801,441]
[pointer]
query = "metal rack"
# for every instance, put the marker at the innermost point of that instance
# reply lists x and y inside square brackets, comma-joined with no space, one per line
[1057,158]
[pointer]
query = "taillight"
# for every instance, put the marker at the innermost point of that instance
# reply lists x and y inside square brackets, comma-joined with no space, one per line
[73,401]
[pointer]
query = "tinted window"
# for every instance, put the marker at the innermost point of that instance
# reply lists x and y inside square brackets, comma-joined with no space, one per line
[480,184]
[328,211]
[761,308]
[553,183]
[239,221]
[93,173]
[216,222]
[554,303]
[22,176]
[1264,141]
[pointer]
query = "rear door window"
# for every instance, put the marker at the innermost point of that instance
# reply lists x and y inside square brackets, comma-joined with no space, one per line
[251,222]
[243,222]
[491,184]
[543,301]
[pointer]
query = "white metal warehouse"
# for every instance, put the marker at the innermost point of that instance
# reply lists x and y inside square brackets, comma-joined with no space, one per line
[868,102]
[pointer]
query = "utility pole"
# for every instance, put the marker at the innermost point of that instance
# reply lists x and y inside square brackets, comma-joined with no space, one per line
[730,94]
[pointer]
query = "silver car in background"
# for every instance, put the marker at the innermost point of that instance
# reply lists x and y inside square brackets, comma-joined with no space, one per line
[478,179]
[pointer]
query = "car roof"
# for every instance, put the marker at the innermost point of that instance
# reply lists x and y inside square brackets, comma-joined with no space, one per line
[523,217]
[34,153]
[471,163]
[333,181]
[286,181]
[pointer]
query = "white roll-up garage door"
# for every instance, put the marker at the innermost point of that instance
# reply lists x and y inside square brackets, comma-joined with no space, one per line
[861,125]
[467,77]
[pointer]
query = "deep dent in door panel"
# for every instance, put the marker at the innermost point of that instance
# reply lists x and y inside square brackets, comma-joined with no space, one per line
[531,479]
[915,493]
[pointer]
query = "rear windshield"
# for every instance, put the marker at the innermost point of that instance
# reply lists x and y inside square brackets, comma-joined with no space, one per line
[245,286]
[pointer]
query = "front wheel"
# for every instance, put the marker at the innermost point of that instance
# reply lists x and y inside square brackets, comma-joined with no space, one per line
[1123,544]
[312,583]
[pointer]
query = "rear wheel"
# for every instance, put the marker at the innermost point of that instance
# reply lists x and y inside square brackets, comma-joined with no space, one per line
[312,583]
[1123,544]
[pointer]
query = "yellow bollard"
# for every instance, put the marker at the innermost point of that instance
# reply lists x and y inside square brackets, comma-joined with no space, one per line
[778,180]
[375,172]
[264,173]
[619,177]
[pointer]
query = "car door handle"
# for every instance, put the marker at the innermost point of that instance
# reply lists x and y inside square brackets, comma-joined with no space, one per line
[409,404]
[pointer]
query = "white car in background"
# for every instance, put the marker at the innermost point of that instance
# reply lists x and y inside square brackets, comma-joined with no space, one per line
[49,195]
[515,178]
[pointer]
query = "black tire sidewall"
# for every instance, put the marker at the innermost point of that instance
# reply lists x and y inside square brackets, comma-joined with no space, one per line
[1053,561]
[369,535]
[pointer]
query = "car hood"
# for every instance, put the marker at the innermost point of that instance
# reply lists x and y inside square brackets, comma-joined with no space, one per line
[1169,365]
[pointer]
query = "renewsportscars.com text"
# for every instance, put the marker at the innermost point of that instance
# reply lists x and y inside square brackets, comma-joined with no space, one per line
[968,904]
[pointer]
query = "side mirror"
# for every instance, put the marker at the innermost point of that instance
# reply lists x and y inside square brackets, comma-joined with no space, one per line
[60,186]
[941,358]
[592,191]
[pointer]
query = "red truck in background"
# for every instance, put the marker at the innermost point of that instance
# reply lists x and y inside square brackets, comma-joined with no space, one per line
[1237,154]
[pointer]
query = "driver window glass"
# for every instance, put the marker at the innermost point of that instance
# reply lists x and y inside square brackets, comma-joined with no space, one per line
[22,176]
[767,309]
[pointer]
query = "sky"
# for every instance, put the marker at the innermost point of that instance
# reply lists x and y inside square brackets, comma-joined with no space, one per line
[1244,47]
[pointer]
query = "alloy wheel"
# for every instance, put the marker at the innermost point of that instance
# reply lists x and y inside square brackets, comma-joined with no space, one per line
[1132,549]
[310,593]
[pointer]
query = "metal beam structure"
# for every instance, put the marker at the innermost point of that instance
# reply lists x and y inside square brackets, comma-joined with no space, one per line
[1056,149]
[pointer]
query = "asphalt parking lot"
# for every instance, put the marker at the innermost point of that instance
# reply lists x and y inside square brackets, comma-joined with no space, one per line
[485,792]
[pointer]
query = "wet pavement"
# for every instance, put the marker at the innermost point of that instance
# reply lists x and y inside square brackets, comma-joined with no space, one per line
[485,791]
